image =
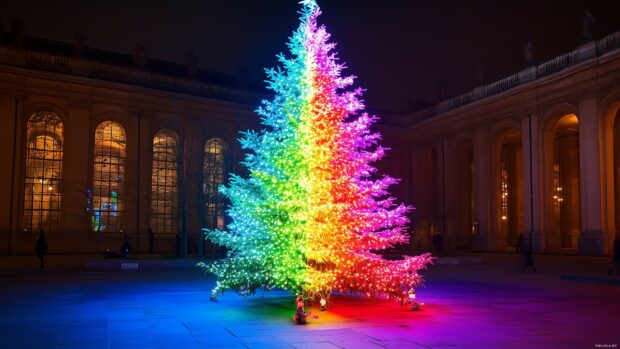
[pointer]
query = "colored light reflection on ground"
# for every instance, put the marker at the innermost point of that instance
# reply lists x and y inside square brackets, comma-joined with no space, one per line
[491,305]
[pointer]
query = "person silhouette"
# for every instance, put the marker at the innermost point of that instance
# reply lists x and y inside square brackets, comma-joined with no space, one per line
[300,313]
[124,252]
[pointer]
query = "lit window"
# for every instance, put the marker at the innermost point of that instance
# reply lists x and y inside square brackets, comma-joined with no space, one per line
[164,185]
[43,172]
[213,171]
[108,177]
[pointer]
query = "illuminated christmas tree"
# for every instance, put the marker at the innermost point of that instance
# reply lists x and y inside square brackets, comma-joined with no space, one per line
[313,215]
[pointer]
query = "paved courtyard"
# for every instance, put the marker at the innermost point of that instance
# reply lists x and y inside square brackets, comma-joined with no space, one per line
[488,305]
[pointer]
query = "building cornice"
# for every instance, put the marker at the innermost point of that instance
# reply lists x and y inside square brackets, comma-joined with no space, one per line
[81,67]
[589,54]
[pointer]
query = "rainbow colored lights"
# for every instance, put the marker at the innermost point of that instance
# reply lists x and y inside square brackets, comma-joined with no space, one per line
[312,211]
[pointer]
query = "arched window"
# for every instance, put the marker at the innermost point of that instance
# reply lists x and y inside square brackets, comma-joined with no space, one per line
[43,172]
[213,172]
[109,177]
[164,184]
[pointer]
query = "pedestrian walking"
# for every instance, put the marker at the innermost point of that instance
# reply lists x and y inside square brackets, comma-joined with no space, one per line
[41,248]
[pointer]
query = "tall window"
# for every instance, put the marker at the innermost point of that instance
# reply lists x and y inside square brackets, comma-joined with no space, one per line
[164,185]
[43,172]
[108,176]
[213,171]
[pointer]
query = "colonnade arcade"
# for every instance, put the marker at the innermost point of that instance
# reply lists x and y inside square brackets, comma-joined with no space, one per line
[570,205]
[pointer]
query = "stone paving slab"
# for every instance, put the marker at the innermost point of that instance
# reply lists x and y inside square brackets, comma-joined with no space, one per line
[315,345]
[487,305]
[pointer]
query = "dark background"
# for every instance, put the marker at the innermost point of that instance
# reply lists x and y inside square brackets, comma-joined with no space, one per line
[399,49]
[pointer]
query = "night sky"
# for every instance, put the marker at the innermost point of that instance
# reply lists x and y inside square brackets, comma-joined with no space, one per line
[400,50]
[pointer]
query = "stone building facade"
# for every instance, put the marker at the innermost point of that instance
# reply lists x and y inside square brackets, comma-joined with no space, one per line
[97,146]
[536,153]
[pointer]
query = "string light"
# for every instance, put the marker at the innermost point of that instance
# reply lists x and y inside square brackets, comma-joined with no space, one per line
[312,213]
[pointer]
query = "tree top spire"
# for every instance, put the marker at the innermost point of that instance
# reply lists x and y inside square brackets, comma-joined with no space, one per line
[310,4]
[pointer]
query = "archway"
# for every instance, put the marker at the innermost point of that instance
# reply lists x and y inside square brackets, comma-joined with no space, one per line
[214,173]
[509,188]
[108,204]
[44,157]
[563,194]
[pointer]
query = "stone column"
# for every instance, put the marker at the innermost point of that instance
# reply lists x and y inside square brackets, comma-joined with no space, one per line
[443,197]
[192,149]
[460,187]
[77,165]
[482,190]
[130,194]
[143,185]
[424,194]
[9,106]
[592,239]
[533,177]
